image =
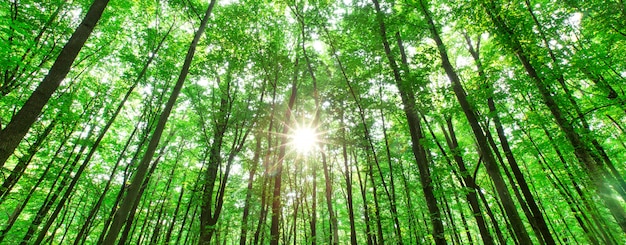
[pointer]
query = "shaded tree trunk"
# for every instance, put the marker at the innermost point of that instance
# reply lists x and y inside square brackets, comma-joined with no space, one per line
[408,102]
[600,177]
[277,168]
[14,132]
[536,214]
[140,173]
[490,162]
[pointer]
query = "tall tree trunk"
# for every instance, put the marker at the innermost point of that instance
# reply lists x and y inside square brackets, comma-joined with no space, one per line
[168,234]
[537,216]
[84,230]
[133,190]
[14,132]
[266,164]
[208,219]
[23,162]
[408,102]
[347,172]
[490,163]
[366,210]
[130,223]
[470,183]
[277,168]
[54,194]
[243,233]
[96,144]
[600,177]
[18,210]
[392,193]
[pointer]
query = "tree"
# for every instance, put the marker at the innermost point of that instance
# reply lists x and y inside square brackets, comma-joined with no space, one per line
[310,122]
[20,123]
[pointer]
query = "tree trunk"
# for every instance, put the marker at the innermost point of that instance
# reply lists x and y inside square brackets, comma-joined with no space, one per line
[277,168]
[366,209]
[408,101]
[536,215]
[14,132]
[243,233]
[470,183]
[140,173]
[129,223]
[600,177]
[23,162]
[490,162]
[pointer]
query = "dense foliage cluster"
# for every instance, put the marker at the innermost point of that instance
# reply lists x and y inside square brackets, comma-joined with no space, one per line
[306,122]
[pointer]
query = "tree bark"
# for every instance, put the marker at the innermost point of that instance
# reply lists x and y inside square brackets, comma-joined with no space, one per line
[600,177]
[14,132]
[141,171]
[470,183]
[277,168]
[408,100]
[490,162]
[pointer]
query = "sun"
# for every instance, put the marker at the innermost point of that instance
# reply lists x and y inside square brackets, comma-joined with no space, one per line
[304,139]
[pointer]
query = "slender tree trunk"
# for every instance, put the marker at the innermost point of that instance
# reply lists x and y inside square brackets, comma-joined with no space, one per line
[600,177]
[490,163]
[278,166]
[140,173]
[168,235]
[13,76]
[408,101]
[18,210]
[126,173]
[347,173]
[536,215]
[246,207]
[348,179]
[23,162]
[54,194]
[377,209]
[266,164]
[366,210]
[14,132]
[95,146]
[130,223]
[392,193]
[470,183]
[84,230]
[208,219]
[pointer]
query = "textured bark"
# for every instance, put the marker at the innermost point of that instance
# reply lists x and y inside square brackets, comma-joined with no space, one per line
[243,233]
[141,171]
[600,177]
[14,132]
[277,168]
[490,163]
[470,183]
[410,110]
